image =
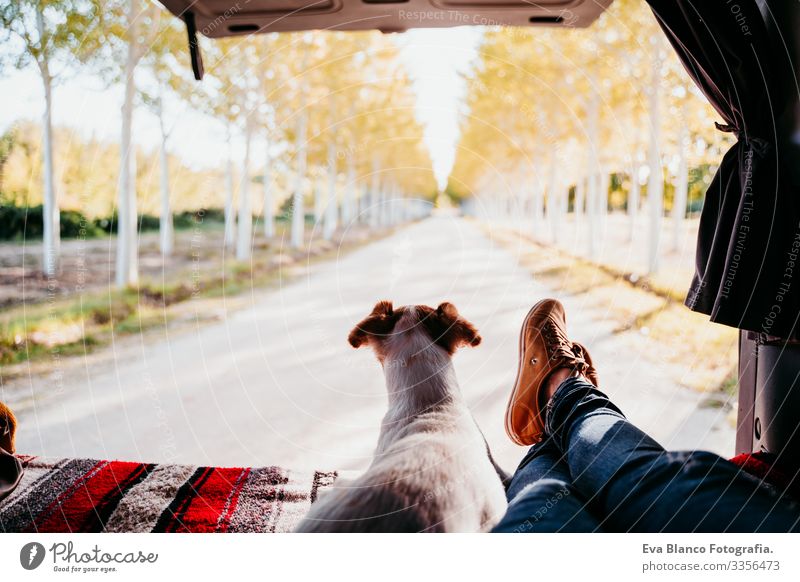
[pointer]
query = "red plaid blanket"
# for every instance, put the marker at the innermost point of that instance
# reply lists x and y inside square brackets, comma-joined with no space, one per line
[86,495]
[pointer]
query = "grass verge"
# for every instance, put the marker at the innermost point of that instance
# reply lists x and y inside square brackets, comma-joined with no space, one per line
[86,321]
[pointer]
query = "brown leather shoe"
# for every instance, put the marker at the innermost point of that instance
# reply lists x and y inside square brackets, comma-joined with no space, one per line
[10,467]
[543,348]
[8,428]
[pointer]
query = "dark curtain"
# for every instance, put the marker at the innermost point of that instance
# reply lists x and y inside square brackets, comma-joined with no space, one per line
[748,247]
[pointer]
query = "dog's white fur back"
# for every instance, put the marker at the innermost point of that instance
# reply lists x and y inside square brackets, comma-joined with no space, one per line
[431,470]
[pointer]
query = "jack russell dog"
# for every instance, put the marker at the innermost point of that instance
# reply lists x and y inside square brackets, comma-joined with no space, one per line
[432,471]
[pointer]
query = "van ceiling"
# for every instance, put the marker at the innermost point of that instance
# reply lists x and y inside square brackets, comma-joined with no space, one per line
[218,18]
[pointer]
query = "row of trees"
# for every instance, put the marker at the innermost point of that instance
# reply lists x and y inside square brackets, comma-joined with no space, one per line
[555,113]
[331,104]
[86,168]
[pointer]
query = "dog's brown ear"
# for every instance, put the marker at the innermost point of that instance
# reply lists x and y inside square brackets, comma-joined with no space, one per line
[383,308]
[380,322]
[449,330]
[447,309]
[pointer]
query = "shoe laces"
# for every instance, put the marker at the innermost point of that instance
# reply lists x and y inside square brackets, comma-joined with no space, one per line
[580,354]
[558,344]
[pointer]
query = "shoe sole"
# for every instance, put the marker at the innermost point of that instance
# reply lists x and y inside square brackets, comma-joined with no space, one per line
[520,364]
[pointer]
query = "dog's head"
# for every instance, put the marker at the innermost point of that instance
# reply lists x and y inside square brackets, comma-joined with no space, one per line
[389,331]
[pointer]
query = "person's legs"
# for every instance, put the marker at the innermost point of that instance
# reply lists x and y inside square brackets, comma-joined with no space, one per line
[541,496]
[638,486]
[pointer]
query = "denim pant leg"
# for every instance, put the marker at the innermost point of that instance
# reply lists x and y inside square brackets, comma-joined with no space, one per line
[541,497]
[638,486]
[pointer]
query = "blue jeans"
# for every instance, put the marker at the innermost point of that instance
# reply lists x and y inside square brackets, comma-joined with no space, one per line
[595,471]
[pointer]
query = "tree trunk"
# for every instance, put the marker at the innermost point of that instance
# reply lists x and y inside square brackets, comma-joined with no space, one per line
[386,200]
[553,200]
[126,268]
[51,226]
[634,194]
[269,211]
[655,184]
[538,208]
[395,199]
[605,187]
[593,186]
[133,217]
[580,197]
[298,212]
[395,203]
[681,188]
[230,211]
[50,219]
[358,204]
[245,231]
[331,204]
[374,197]
[348,211]
[319,203]
[591,215]
[362,204]
[165,225]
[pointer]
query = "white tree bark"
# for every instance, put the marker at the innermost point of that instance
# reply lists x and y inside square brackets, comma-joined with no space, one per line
[244,236]
[331,202]
[580,197]
[331,217]
[319,202]
[591,215]
[298,211]
[269,211]
[593,177]
[554,200]
[126,267]
[375,197]
[51,228]
[348,211]
[605,187]
[362,204]
[165,227]
[634,194]
[387,195]
[538,208]
[133,219]
[395,204]
[655,184]
[230,211]
[681,188]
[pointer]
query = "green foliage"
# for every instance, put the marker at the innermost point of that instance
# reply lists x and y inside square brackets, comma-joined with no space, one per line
[699,179]
[25,223]
[180,221]
[7,142]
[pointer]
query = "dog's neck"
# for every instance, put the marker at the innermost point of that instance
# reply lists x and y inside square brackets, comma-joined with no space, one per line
[419,377]
[420,383]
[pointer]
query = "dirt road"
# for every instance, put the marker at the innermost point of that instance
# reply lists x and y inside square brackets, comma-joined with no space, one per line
[275,382]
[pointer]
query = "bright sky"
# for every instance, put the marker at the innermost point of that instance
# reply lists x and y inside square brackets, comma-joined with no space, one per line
[435,59]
